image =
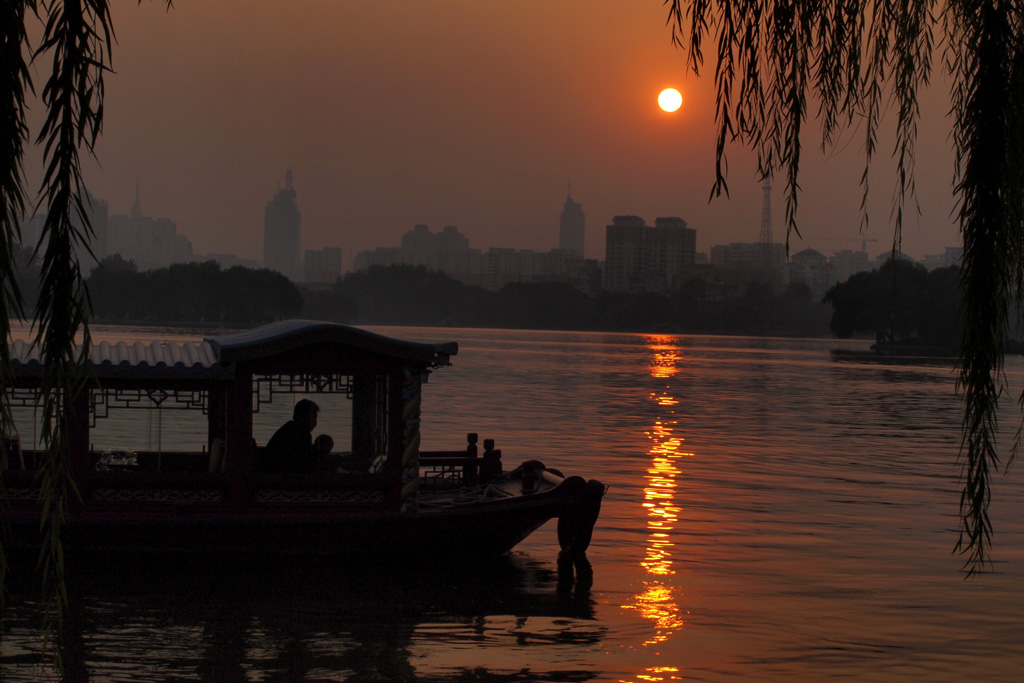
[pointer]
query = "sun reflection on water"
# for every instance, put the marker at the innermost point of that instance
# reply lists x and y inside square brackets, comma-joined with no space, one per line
[664,361]
[657,601]
[659,495]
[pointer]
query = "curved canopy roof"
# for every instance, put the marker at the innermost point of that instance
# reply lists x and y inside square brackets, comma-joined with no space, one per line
[215,356]
[288,335]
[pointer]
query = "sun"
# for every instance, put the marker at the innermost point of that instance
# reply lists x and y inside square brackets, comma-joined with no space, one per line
[670,99]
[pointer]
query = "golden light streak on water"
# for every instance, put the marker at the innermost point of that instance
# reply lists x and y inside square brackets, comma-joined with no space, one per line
[665,400]
[657,673]
[665,357]
[659,493]
[657,601]
[658,604]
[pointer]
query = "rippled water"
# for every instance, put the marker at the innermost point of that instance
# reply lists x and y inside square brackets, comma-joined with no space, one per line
[777,511]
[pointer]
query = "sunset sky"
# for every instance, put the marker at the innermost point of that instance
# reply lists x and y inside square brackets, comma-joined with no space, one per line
[473,114]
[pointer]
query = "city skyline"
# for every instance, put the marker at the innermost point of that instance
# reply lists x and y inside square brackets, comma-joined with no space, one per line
[828,246]
[462,114]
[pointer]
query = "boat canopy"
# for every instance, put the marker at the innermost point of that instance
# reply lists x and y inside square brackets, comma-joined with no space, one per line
[133,360]
[290,335]
[215,356]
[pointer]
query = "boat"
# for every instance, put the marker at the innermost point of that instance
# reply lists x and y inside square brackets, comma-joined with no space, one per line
[397,501]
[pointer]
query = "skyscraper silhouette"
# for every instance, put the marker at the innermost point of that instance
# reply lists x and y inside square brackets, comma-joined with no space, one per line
[281,221]
[572,226]
[640,257]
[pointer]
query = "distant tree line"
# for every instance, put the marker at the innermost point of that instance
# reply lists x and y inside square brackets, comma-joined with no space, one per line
[190,293]
[901,303]
[413,295]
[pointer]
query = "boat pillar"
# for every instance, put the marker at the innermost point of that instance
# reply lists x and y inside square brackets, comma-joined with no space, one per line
[238,439]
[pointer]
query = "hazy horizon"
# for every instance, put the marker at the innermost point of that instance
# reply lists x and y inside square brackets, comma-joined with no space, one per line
[455,113]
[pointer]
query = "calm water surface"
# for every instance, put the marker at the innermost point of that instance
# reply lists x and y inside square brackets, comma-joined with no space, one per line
[777,511]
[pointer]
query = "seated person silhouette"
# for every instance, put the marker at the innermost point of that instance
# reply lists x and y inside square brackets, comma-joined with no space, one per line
[322,446]
[291,447]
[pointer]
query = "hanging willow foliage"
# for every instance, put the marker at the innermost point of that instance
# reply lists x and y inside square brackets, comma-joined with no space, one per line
[13,135]
[856,59]
[76,38]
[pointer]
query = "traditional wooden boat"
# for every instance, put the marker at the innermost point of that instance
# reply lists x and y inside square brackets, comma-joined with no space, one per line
[398,501]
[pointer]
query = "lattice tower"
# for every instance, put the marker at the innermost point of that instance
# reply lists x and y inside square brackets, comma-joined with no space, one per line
[765,240]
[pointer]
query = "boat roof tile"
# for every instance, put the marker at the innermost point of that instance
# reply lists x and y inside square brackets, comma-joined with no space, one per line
[215,356]
[120,359]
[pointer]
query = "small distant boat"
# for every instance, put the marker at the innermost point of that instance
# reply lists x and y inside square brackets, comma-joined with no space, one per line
[400,502]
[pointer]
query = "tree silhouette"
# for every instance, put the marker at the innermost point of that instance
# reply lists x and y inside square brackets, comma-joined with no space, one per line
[192,293]
[900,302]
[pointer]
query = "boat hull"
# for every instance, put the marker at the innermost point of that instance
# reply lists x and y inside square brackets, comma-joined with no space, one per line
[479,532]
[443,526]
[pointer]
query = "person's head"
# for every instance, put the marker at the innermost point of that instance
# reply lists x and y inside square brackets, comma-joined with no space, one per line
[305,413]
[323,444]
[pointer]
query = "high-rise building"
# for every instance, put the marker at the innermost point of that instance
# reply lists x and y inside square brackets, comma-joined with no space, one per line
[572,227]
[323,266]
[448,252]
[849,262]
[641,257]
[422,247]
[149,242]
[748,256]
[98,212]
[281,224]
[623,259]
[670,247]
[813,269]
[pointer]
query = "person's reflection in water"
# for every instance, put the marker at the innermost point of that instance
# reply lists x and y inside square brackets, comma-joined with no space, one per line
[292,662]
[226,640]
[350,625]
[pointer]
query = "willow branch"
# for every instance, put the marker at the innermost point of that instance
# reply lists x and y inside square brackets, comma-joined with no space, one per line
[77,36]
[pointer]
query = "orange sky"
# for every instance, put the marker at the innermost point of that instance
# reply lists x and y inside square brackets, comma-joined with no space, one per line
[474,114]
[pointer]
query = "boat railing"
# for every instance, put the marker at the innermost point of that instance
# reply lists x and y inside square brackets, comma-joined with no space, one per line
[448,468]
[122,460]
[150,461]
[187,471]
[460,468]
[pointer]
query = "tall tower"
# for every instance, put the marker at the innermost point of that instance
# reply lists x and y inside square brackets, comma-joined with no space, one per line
[764,242]
[281,221]
[572,227]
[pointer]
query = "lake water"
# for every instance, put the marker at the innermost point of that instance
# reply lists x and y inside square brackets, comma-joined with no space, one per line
[776,511]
